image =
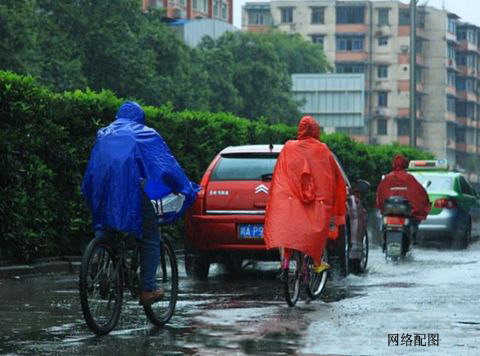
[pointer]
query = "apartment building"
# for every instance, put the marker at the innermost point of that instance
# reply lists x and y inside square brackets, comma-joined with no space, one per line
[373,37]
[193,9]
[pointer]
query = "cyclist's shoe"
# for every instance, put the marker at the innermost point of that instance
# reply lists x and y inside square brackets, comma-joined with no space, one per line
[322,267]
[148,298]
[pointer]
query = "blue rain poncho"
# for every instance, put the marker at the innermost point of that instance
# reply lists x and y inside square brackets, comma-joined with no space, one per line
[127,153]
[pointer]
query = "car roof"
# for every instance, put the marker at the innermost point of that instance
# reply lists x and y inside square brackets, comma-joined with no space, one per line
[252,149]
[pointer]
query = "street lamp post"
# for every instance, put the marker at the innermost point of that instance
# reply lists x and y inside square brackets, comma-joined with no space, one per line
[413,79]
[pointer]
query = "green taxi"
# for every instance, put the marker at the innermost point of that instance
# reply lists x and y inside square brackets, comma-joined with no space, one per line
[455,215]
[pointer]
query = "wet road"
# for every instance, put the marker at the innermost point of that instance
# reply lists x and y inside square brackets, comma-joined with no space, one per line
[433,292]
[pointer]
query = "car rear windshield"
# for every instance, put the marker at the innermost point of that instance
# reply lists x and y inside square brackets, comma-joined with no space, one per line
[254,166]
[439,183]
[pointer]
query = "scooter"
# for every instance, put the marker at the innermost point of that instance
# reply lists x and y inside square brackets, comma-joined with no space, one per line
[397,227]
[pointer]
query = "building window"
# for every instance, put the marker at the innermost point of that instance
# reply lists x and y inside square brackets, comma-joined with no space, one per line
[451,51]
[383,17]
[286,14]
[350,43]
[259,18]
[451,79]
[460,134]
[350,14]
[452,25]
[382,99]
[318,15]
[224,10]
[350,68]
[216,5]
[462,34]
[404,17]
[183,2]
[450,104]
[461,109]
[471,36]
[318,39]
[419,74]
[470,84]
[461,59]
[403,127]
[382,71]
[381,127]
[383,41]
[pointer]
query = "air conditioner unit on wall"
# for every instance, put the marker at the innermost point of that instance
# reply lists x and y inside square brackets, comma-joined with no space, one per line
[379,112]
[404,48]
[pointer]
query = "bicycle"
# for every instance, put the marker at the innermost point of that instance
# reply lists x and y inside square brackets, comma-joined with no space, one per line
[298,268]
[111,263]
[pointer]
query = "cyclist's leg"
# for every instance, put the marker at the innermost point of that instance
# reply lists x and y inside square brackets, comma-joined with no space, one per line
[322,265]
[149,247]
[285,254]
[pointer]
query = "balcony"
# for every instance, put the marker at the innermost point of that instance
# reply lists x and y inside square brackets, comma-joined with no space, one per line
[465,95]
[351,28]
[451,90]
[259,28]
[404,31]
[451,64]
[405,113]
[405,140]
[450,116]
[468,46]
[350,56]
[404,86]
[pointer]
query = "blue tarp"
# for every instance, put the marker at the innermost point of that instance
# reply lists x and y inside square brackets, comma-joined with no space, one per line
[125,153]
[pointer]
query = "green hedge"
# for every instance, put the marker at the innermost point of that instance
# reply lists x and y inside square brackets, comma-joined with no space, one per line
[46,138]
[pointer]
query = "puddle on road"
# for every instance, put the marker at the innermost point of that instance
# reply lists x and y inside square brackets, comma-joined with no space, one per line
[243,314]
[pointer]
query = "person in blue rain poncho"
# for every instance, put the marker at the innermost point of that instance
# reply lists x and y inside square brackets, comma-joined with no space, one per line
[130,166]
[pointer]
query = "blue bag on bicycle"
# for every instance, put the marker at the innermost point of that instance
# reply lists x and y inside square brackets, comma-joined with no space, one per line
[125,153]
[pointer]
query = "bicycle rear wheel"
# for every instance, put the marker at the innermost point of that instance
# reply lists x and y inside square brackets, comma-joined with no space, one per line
[291,278]
[101,287]
[160,312]
[316,281]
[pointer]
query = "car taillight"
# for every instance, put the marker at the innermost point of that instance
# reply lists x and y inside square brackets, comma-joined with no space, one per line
[445,203]
[395,220]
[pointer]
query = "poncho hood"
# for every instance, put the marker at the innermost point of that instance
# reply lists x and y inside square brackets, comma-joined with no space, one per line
[308,128]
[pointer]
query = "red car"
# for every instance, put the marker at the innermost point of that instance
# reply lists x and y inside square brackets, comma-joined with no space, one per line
[225,224]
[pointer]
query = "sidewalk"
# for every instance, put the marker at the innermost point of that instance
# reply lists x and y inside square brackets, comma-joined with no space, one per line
[63,264]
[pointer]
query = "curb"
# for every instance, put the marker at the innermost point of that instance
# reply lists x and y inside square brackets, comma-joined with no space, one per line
[67,264]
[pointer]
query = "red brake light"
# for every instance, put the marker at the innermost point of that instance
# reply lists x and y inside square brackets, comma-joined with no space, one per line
[445,203]
[395,220]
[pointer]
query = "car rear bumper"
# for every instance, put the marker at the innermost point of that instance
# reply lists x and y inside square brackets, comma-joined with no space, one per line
[220,233]
[442,227]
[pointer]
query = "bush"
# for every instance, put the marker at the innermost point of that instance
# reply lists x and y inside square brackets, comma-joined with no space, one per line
[46,138]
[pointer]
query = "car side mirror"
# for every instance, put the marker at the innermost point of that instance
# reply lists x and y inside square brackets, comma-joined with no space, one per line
[362,186]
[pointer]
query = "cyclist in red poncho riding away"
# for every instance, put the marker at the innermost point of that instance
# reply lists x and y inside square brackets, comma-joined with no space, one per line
[401,183]
[307,191]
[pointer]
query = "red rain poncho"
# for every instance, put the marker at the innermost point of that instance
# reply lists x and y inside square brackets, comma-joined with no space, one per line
[401,183]
[307,190]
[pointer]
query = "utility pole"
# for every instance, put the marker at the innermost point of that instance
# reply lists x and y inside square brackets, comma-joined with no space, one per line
[413,79]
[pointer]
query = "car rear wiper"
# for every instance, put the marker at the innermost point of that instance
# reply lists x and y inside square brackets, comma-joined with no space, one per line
[267,176]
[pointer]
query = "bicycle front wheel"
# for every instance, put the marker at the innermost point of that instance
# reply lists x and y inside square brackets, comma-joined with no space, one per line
[160,312]
[291,278]
[101,287]
[316,281]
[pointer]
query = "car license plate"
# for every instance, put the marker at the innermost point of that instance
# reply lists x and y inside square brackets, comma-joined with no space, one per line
[250,231]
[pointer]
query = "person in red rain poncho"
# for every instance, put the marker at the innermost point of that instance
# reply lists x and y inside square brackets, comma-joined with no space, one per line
[307,191]
[401,183]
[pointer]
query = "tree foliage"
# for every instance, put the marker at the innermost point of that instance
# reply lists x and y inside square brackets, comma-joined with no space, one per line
[46,139]
[113,45]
